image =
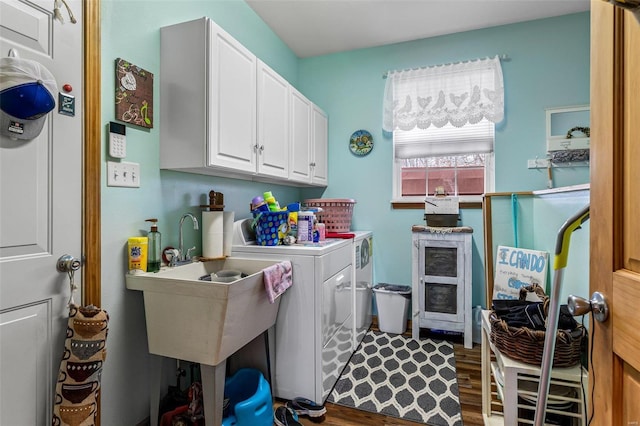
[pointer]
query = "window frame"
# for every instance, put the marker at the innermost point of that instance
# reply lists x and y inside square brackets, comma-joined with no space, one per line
[489,179]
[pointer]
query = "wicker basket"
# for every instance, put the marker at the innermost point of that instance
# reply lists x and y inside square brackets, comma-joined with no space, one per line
[336,212]
[527,345]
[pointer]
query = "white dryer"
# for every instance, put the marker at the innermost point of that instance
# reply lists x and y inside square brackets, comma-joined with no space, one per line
[363,279]
[314,335]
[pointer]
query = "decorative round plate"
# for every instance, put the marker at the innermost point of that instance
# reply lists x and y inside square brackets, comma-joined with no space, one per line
[361,142]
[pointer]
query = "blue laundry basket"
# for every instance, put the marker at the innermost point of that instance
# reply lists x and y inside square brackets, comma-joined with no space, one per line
[250,399]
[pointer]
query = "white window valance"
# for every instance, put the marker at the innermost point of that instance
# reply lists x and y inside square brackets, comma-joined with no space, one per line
[459,93]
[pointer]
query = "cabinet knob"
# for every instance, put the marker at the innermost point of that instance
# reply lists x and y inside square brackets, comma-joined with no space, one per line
[261,148]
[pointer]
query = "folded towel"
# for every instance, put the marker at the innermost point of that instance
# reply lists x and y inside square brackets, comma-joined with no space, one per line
[343,235]
[277,279]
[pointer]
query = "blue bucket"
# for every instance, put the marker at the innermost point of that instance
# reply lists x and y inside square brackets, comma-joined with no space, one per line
[270,226]
[250,399]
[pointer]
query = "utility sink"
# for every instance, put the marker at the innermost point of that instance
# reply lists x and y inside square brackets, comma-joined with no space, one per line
[204,321]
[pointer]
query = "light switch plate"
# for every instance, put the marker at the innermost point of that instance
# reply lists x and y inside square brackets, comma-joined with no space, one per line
[123,174]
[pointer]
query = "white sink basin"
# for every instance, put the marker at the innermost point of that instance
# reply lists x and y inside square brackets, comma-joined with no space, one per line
[203,321]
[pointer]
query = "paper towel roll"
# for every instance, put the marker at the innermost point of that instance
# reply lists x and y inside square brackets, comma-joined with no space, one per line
[227,238]
[212,245]
[212,234]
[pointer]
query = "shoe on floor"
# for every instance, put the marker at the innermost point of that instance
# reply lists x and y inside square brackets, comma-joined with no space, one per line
[285,416]
[306,407]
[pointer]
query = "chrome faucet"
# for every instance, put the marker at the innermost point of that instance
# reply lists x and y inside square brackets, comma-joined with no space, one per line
[186,257]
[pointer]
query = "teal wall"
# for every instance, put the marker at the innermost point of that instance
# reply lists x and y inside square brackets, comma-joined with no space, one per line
[548,67]
[131,30]
[538,219]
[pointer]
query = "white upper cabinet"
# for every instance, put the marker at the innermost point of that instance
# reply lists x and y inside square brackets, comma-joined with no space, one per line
[231,98]
[308,142]
[300,149]
[319,166]
[224,112]
[207,99]
[273,123]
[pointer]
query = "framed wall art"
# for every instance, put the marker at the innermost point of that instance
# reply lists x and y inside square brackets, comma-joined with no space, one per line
[134,94]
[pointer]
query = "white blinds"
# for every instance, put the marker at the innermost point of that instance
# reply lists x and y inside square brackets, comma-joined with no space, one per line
[458,94]
[445,140]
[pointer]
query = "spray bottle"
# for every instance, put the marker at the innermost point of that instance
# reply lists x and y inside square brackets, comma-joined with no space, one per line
[154,257]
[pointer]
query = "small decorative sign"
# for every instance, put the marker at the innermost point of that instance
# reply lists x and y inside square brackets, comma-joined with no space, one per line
[441,205]
[517,268]
[134,94]
[66,104]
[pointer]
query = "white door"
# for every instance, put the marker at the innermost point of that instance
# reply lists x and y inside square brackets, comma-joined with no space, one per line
[231,102]
[300,149]
[273,123]
[40,216]
[319,164]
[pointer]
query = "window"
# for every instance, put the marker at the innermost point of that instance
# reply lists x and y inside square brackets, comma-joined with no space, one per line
[421,164]
[442,120]
[459,174]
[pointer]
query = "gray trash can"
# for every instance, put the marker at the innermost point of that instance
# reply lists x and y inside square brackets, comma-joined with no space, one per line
[392,301]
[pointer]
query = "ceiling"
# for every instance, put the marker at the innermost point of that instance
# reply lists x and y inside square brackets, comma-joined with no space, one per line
[318,27]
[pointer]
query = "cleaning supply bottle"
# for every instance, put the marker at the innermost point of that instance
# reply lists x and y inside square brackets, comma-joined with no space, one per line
[154,256]
[305,226]
[137,248]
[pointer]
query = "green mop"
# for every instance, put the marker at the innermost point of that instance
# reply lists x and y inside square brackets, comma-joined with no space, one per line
[559,263]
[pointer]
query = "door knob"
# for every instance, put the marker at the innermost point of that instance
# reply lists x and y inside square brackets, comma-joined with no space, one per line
[68,263]
[580,306]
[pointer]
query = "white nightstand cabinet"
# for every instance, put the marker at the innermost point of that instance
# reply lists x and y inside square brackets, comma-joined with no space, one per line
[513,386]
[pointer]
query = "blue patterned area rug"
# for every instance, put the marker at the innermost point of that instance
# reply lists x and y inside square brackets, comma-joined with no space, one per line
[396,376]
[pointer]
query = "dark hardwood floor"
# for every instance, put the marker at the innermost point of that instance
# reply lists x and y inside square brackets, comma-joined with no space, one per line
[468,367]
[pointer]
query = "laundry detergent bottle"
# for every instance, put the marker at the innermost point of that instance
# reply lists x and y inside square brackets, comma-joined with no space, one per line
[154,257]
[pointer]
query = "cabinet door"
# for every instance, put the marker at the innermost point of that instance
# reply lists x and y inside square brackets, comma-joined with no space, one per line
[273,123]
[441,276]
[319,166]
[300,152]
[231,103]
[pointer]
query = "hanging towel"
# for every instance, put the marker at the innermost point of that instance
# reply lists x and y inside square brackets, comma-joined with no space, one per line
[78,382]
[277,279]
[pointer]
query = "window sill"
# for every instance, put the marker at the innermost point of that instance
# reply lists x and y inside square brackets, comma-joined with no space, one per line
[466,202]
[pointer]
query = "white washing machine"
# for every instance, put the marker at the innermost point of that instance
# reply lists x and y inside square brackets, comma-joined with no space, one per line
[363,279]
[314,334]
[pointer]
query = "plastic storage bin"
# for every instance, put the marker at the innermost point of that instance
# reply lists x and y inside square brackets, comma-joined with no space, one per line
[250,402]
[393,302]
